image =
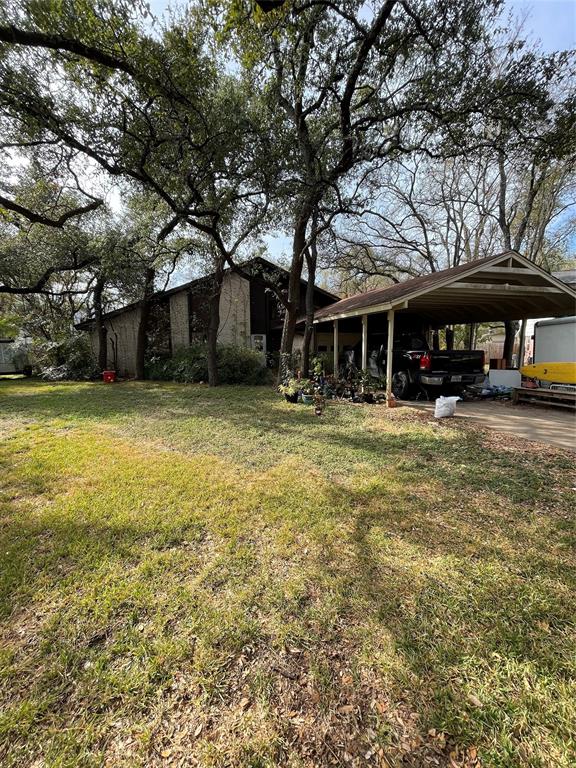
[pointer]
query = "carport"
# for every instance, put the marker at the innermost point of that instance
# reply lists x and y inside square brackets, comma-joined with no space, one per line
[498,288]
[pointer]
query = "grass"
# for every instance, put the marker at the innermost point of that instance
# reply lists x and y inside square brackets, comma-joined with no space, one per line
[219,578]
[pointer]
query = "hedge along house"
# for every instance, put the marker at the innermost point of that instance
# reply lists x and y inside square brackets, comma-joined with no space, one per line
[250,316]
[502,287]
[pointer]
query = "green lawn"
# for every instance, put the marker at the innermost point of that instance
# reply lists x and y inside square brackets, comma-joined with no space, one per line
[218,578]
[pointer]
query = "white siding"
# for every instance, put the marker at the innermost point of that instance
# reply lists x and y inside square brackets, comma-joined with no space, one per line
[122,333]
[235,311]
[179,320]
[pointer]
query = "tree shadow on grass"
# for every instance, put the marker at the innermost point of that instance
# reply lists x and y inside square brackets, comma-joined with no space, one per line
[251,424]
[477,594]
[486,631]
[460,625]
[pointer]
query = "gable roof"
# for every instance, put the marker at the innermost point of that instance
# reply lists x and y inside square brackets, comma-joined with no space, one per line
[504,286]
[197,282]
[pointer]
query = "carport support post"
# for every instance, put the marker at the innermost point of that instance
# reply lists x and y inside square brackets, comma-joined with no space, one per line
[335,323]
[389,348]
[364,342]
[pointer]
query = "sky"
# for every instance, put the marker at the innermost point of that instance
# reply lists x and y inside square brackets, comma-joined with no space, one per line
[553,22]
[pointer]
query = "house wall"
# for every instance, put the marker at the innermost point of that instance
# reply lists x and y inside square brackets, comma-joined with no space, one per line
[344,340]
[179,320]
[242,303]
[235,311]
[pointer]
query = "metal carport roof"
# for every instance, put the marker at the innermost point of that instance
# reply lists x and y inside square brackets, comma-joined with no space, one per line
[502,287]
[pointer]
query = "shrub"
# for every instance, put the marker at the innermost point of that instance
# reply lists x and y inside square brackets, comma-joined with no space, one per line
[70,357]
[236,365]
[323,362]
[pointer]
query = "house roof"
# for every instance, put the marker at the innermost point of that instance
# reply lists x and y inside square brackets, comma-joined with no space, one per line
[86,324]
[566,275]
[502,287]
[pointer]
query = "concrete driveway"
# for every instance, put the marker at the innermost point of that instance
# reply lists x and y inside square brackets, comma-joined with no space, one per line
[555,426]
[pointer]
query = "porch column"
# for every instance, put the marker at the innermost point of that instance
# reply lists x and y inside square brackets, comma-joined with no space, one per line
[522,343]
[389,349]
[335,323]
[364,342]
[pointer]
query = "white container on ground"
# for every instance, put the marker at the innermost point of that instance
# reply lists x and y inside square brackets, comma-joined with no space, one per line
[510,378]
[445,407]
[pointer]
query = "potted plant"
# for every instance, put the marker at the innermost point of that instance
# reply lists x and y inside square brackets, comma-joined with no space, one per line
[366,386]
[307,390]
[290,389]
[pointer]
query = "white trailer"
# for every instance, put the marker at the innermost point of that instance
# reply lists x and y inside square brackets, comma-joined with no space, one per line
[7,361]
[13,357]
[555,340]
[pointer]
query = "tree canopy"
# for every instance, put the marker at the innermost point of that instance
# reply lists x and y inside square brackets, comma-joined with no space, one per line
[325,120]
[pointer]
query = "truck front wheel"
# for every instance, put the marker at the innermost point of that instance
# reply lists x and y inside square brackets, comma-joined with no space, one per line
[401,385]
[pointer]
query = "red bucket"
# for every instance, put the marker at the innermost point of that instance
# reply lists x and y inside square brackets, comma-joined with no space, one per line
[108,377]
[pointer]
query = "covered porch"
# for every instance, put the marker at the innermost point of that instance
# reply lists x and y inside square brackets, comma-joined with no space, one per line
[498,288]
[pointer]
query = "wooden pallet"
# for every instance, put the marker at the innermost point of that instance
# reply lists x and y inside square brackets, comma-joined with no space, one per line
[541,396]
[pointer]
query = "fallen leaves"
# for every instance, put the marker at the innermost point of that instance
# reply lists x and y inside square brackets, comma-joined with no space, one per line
[474,700]
[244,703]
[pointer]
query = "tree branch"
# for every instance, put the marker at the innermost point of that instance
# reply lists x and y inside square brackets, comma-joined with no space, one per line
[38,218]
[34,39]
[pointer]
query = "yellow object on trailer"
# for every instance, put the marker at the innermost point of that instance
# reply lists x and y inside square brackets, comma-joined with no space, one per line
[556,373]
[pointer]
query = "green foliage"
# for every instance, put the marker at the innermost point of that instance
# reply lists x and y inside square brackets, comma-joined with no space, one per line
[69,358]
[322,363]
[306,386]
[294,385]
[9,325]
[236,365]
[368,382]
[290,387]
[7,328]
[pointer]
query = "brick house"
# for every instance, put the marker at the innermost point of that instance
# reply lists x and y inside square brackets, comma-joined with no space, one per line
[250,316]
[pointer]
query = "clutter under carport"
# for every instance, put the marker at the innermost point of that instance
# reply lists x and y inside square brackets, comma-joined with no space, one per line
[495,289]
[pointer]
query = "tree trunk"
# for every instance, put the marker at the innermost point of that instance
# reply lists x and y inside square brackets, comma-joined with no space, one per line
[311,263]
[522,344]
[100,326]
[142,334]
[214,323]
[510,328]
[309,328]
[471,335]
[298,248]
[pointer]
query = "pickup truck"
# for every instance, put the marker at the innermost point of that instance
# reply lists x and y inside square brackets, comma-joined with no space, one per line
[416,367]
